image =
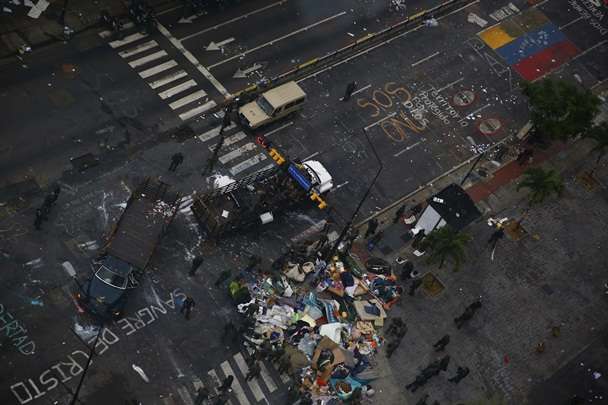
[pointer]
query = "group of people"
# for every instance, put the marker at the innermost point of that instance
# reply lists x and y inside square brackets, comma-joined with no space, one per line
[42,213]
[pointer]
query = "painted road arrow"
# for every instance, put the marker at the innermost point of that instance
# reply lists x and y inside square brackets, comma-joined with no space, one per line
[216,46]
[241,74]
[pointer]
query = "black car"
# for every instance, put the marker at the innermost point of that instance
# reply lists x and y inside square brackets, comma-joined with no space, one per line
[105,293]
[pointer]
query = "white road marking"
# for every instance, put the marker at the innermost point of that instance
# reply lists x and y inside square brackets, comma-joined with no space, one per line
[361,89]
[157,69]
[147,59]
[216,46]
[127,40]
[311,156]
[197,383]
[274,41]
[406,149]
[237,152]
[425,59]
[391,115]
[246,164]
[168,79]
[253,384]
[185,395]
[188,99]
[368,50]
[231,139]
[267,134]
[233,20]
[177,89]
[450,84]
[138,49]
[197,110]
[212,133]
[474,112]
[176,43]
[284,378]
[272,387]
[236,386]
[570,23]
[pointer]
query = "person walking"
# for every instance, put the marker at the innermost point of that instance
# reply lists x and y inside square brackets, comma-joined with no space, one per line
[187,306]
[399,214]
[196,263]
[176,160]
[38,220]
[442,343]
[253,372]
[201,395]
[372,226]
[226,384]
[224,275]
[350,88]
[461,372]
[414,286]
[496,236]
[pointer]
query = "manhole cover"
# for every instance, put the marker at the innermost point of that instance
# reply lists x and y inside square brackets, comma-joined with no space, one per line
[490,126]
[431,285]
[463,98]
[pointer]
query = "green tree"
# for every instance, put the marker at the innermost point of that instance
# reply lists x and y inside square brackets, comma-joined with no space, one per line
[542,184]
[599,134]
[559,109]
[444,243]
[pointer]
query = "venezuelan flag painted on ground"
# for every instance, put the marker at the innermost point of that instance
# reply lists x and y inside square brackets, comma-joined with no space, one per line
[530,43]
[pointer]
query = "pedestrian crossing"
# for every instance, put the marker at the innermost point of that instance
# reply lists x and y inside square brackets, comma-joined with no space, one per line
[259,390]
[153,64]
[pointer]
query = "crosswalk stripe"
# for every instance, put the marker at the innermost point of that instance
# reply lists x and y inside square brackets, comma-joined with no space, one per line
[138,49]
[212,133]
[246,164]
[197,383]
[157,69]
[127,40]
[168,401]
[185,395]
[253,384]
[232,139]
[284,378]
[215,378]
[197,110]
[177,89]
[272,387]
[236,386]
[147,59]
[188,99]
[237,152]
[168,79]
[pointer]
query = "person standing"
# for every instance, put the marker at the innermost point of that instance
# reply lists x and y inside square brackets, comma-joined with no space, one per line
[372,226]
[414,286]
[226,384]
[38,220]
[350,88]
[442,343]
[187,306]
[496,236]
[176,160]
[399,214]
[196,263]
[461,372]
[253,372]
[201,395]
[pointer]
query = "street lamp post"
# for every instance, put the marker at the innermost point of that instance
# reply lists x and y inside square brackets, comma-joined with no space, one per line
[346,228]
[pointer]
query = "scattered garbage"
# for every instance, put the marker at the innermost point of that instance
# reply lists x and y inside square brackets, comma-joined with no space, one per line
[141,373]
[431,22]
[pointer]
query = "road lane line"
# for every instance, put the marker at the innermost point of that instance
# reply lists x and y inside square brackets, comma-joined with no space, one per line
[168,79]
[177,89]
[450,84]
[127,40]
[474,112]
[272,387]
[233,20]
[391,115]
[232,139]
[361,89]
[197,110]
[157,69]
[147,59]
[274,41]
[188,99]
[246,164]
[237,152]
[138,49]
[425,59]
[253,384]
[212,133]
[176,43]
[267,134]
[365,51]
[571,22]
[236,386]
[406,149]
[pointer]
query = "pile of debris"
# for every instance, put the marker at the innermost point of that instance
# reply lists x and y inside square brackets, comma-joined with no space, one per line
[319,321]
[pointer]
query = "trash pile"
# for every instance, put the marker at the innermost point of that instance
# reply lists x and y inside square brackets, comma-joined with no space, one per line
[318,321]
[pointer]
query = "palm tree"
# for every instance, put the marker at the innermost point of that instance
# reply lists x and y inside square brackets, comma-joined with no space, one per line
[542,183]
[444,243]
[599,134]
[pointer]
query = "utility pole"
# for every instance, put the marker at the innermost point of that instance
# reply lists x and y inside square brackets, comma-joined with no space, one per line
[220,142]
[346,228]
